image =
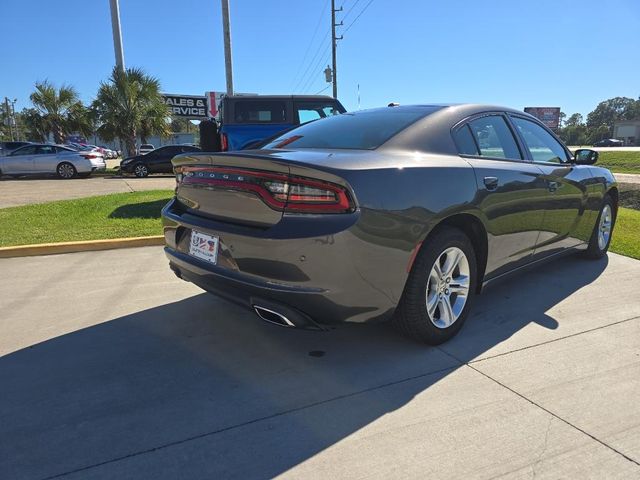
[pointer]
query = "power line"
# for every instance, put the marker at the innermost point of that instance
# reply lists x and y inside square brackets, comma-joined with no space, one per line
[350,10]
[317,68]
[356,19]
[313,37]
[319,92]
[304,79]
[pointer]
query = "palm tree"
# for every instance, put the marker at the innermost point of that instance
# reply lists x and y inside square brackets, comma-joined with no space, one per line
[60,111]
[129,104]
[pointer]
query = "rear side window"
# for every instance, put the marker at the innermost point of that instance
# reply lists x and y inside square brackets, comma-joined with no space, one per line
[494,137]
[464,141]
[364,130]
[64,150]
[262,111]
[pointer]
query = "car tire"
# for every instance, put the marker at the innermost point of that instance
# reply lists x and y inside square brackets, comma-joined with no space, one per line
[433,307]
[602,231]
[66,171]
[140,170]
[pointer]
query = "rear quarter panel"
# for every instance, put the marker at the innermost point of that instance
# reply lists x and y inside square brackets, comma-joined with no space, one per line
[399,207]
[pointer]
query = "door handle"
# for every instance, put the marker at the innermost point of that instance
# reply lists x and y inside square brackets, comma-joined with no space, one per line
[552,186]
[491,183]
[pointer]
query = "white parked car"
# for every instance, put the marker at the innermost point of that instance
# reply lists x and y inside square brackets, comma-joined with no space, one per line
[145,148]
[45,158]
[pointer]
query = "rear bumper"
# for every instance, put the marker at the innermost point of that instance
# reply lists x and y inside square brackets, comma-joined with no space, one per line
[323,279]
[248,292]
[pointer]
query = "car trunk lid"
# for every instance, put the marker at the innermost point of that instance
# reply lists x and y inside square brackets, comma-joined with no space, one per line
[253,188]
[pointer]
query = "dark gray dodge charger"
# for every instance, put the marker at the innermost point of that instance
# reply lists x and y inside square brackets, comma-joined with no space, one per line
[401,213]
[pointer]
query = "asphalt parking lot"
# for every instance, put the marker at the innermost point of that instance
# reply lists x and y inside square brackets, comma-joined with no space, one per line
[25,191]
[112,368]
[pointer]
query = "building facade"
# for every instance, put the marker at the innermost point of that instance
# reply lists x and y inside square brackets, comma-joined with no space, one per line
[627,131]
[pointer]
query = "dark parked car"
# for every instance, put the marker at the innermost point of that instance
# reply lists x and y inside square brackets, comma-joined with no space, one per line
[7,147]
[247,120]
[156,161]
[398,212]
[609,142]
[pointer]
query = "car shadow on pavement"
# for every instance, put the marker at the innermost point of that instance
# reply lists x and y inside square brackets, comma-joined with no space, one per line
[200,388]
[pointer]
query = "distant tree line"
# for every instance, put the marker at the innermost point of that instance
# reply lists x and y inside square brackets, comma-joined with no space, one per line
[599,123]
[127,105]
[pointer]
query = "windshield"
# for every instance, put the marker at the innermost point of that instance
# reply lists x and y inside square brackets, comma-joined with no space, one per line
[363,130]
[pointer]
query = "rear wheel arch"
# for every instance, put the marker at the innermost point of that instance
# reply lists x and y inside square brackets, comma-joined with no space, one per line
[474,229]
[615,196]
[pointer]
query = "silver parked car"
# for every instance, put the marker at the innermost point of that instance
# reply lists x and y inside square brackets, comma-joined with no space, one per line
[44,158]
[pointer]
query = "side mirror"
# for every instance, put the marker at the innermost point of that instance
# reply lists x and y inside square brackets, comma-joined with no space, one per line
[585,156]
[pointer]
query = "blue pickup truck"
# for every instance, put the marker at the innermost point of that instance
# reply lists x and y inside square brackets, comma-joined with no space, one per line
[247,120]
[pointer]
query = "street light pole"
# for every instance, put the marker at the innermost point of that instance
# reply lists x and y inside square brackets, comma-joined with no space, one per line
[226,32]
[117,34]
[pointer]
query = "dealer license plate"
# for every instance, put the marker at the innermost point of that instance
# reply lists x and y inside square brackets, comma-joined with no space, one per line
[204,247]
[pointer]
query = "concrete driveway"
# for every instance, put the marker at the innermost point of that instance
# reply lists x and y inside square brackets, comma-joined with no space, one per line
[25,191]
[112,368]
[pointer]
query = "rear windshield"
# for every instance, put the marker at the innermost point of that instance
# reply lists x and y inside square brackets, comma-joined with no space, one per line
[364,130]
[260,111]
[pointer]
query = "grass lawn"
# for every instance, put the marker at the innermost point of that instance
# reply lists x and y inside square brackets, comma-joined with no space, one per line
[620,162]
[626,233]
[119,215]
[137,214]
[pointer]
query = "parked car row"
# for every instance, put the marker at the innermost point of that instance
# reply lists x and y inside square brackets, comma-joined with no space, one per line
[71,160]
[43,158]
[107,153]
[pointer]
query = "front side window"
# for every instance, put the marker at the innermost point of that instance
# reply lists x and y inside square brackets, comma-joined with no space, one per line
[541,144]
[308,111]
[261,111]
[494,138]
[24,151]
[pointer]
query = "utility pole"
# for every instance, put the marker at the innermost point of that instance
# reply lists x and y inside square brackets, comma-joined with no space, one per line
[14,122]
[226,32]
[8,116]
[117,34]
[334,42]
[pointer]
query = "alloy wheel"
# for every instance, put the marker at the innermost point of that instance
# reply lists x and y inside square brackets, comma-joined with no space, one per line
[66,170]
[448,287]
[604,227]
[141,170]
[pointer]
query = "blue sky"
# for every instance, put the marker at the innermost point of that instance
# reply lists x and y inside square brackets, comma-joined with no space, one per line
[564,53]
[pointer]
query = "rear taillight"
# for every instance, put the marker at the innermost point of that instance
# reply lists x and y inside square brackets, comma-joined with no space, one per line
[224,142]
[89,156]
[279,191]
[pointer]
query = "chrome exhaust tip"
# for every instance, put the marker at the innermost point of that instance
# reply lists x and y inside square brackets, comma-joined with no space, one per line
[272,316]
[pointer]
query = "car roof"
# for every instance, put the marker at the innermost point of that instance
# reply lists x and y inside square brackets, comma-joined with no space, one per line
[432,133]
[281,97]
